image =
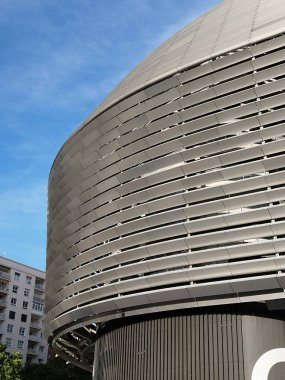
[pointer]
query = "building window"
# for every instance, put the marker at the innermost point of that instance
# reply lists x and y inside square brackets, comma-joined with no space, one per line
[14,301]
[8,342]
[20,343]
[28,280]
[22,331]
[26,292]
[41,349]
[12,314]
[25,304]
[10,328]
[40,361]
[38,306]
[15,288]
[17,276]
[23,318]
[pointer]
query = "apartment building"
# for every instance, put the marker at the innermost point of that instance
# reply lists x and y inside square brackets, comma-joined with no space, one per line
[21,310]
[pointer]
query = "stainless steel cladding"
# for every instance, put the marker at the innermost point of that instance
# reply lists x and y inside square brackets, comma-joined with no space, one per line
[212,344]
[171,195]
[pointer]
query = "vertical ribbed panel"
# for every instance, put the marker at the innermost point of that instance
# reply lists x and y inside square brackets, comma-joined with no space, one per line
[200,347]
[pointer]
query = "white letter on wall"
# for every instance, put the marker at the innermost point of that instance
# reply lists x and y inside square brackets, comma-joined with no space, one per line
[266,362]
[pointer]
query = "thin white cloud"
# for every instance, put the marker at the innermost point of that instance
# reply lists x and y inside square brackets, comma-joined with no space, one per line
[24,204]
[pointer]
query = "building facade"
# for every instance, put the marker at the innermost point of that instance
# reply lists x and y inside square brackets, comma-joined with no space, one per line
[22,290]
[166,230]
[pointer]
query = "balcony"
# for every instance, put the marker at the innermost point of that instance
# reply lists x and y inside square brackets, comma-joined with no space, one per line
[36,312]
[38,299]
[35,338]
[5,276]
[36,325]
[40,287]
[4,289]
[32,351]
[3,302]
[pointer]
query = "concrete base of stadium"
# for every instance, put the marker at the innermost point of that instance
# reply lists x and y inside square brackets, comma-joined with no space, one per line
[240,342]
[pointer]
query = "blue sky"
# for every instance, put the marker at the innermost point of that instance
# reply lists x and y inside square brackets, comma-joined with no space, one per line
[59,59]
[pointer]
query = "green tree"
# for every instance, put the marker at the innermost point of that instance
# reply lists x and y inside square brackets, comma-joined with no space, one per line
[10,364]
[55,369]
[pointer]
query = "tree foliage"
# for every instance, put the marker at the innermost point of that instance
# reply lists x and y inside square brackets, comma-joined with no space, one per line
[55,369]
[10,364]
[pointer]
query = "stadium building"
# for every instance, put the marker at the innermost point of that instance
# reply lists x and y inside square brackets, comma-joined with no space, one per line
[166,226]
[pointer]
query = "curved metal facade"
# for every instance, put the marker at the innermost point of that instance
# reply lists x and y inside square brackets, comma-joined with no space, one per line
[212,344]
[171,195]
